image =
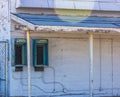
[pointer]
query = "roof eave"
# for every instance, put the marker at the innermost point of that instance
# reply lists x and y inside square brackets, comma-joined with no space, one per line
[23,22]
[48,28]
[76,29]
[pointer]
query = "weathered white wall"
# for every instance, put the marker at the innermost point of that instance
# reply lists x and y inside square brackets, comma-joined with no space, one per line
[4,35]
[68,70]
[76,11]
[109,5]
[4,20]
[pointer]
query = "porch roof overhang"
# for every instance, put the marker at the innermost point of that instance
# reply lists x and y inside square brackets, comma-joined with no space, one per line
[67,23]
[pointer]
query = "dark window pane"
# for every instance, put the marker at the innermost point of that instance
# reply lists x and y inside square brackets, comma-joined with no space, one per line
[39,54]
[18,54]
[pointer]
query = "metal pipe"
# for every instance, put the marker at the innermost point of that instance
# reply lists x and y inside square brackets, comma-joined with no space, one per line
[6,71]
[112,62]
[28,63]
[100,55]
[91,64]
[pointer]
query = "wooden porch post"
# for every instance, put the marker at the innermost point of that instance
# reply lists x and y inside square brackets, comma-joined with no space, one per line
[28,63]
[91,64]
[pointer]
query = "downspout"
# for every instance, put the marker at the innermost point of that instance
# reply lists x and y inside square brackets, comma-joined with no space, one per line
[91,64]
[6,66]
[28,62]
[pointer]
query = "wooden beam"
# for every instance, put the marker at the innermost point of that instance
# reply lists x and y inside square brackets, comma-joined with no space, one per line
[76,29]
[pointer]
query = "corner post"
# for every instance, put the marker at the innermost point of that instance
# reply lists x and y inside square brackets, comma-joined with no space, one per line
[91,64]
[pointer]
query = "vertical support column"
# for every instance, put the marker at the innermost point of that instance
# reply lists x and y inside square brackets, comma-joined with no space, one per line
[91,64]
[28,63]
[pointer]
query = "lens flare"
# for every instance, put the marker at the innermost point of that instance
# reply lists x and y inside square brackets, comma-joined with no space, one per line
[81,8]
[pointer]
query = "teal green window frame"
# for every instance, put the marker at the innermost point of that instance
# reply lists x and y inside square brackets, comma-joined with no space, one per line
[23,42]
[44,43]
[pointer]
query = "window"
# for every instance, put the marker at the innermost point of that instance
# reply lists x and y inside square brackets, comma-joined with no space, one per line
[19,52]
[40,52]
